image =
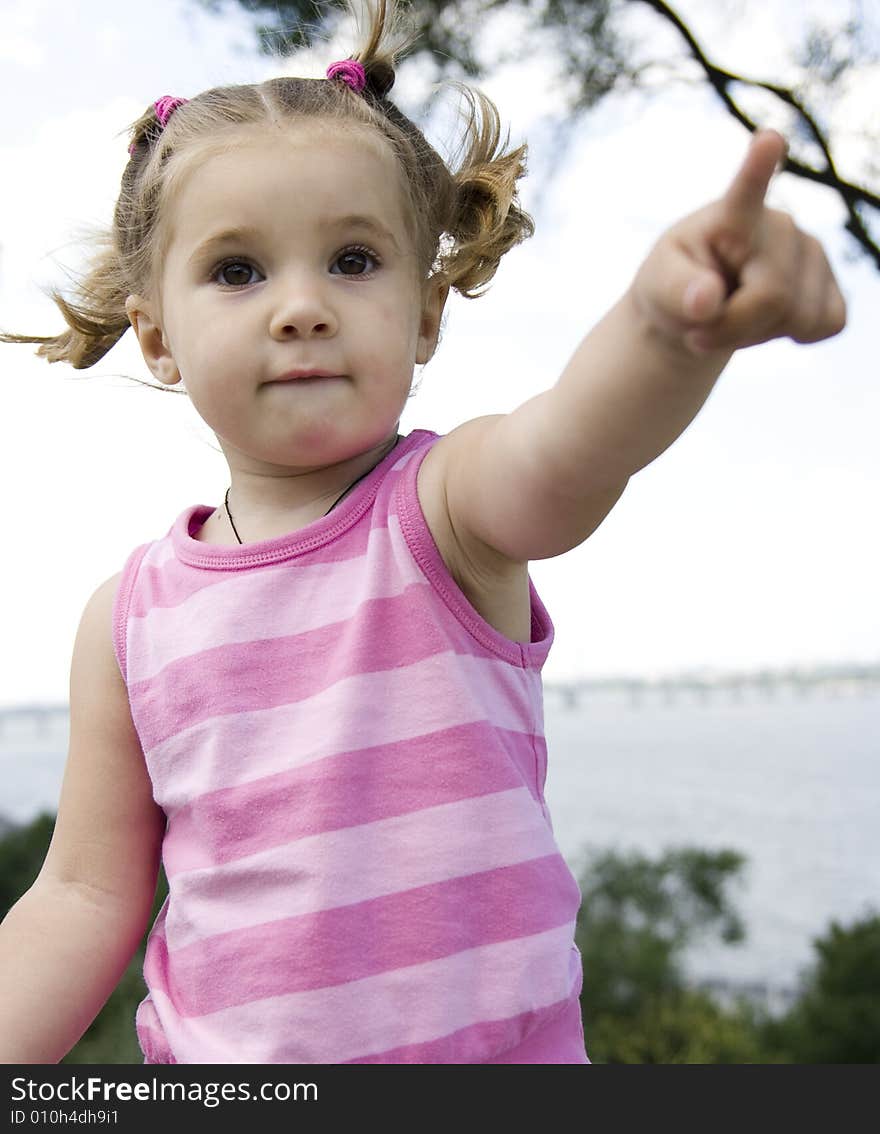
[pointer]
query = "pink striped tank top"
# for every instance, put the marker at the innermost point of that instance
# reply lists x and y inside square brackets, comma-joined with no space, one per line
[360,860]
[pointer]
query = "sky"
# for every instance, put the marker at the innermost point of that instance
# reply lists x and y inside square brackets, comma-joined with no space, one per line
[751,543]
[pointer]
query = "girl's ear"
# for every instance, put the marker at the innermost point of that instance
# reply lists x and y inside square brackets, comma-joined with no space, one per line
[432,313]
[141,315]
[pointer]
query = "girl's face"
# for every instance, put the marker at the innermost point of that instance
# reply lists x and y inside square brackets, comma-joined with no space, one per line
[290,253]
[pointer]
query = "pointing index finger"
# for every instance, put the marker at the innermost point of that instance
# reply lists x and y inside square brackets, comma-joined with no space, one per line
[744,198]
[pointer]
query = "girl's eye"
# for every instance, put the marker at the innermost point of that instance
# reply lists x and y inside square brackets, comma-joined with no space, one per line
[235,273]
[357,261]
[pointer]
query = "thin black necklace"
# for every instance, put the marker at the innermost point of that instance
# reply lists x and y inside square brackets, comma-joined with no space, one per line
[329,510]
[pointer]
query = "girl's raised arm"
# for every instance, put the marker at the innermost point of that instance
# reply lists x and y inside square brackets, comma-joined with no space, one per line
[538,481]
[67,941]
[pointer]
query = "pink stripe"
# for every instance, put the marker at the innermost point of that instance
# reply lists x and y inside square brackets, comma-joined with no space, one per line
[549,1035]
[165,582]
[352,510]
[154,1046]
[394,1009]
[393,855]
[348,943]
[121,603]
[152,1039]
[176,578]
[341,791]
[324,593]
[385,634]
[367,711]
[540,751]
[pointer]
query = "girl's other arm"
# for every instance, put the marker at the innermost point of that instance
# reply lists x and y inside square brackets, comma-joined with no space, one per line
[536,482]
[67,941]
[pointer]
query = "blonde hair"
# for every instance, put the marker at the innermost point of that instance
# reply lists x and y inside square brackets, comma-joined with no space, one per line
[463,219]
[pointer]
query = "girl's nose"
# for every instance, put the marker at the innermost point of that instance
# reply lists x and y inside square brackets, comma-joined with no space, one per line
[302,314]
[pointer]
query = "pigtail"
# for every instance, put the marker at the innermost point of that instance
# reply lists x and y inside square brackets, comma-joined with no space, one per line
[471,210]
[95,316]
[144,132]
[486,219]
[383,36]
[95,309]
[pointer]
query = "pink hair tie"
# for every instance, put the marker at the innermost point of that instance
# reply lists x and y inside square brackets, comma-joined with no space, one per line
[164,107]
[350,71]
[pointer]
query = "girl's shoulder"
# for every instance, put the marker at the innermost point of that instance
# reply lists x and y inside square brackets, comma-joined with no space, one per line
[98,694]
[496,587]
[106,787]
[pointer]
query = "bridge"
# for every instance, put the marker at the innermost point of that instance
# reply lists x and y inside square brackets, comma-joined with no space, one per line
[34,721]
[44,720]
[765,684]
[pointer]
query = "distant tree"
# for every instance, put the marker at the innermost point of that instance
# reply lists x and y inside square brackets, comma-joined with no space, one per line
[111,1037]
[637,917]
[685,1026]
[639,914]
[837,1016]
[22,850]
[599,52]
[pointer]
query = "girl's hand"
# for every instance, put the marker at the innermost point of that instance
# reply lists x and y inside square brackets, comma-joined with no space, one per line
[737,273]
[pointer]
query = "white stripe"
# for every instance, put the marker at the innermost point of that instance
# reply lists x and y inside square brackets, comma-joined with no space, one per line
[356,864]
[160,553]
[225,611]
[366,709]
[407,457]
[410,1005]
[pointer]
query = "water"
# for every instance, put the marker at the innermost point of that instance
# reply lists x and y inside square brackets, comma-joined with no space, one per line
[31,768]
[792,782]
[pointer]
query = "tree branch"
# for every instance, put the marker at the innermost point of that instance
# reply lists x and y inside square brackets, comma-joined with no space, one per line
[721,80]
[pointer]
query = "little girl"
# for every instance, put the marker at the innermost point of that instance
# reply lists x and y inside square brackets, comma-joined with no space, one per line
[319,704]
